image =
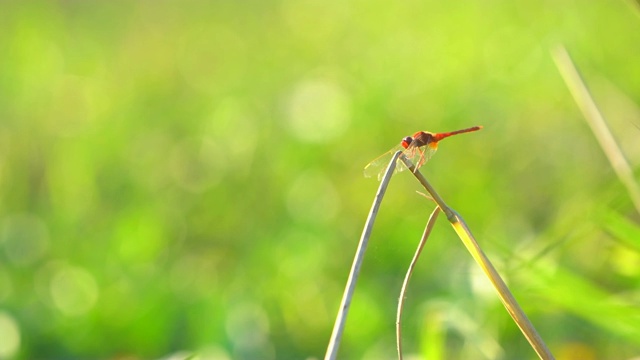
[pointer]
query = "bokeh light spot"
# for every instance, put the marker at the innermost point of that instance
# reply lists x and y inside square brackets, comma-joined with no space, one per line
[74,291]
[248,328]
[25,238]
[10,335]
[212,353]
[480,285]
[625,261]
[318,111]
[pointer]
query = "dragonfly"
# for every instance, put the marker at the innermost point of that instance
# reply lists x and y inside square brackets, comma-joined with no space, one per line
[418,148]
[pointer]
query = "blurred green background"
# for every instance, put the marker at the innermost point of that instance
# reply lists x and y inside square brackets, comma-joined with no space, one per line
[186,177]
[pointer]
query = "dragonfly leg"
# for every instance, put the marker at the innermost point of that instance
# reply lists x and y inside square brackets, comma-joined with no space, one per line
[421,161]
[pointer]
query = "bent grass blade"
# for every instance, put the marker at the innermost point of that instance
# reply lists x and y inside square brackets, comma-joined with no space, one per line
[508,300]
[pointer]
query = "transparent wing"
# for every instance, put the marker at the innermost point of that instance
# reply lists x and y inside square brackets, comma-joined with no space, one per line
[377,166]
[424,154]
[418,156]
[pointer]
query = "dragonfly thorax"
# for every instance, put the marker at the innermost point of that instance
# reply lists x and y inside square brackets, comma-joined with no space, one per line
[419,139]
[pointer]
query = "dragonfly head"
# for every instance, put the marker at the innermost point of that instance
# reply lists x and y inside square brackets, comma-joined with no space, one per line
[406,142]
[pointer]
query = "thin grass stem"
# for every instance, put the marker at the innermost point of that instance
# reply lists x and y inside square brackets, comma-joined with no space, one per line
[338,327]
[427,231]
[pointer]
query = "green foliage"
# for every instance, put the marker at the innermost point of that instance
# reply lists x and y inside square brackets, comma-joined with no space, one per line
[184,178]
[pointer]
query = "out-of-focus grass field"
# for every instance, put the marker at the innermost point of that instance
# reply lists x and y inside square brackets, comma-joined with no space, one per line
[186,177]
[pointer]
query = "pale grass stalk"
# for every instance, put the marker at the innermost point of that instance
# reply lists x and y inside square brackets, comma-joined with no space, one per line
[338,327]
[596,121]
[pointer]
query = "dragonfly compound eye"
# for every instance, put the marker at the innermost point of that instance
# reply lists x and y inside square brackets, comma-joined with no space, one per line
[406,142]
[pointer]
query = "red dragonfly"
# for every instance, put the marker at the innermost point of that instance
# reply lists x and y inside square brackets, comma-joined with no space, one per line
[418,148]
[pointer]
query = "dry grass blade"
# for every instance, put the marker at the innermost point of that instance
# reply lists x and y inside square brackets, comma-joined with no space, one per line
[338,327]
[432,220]
[597,123]
[509,302]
